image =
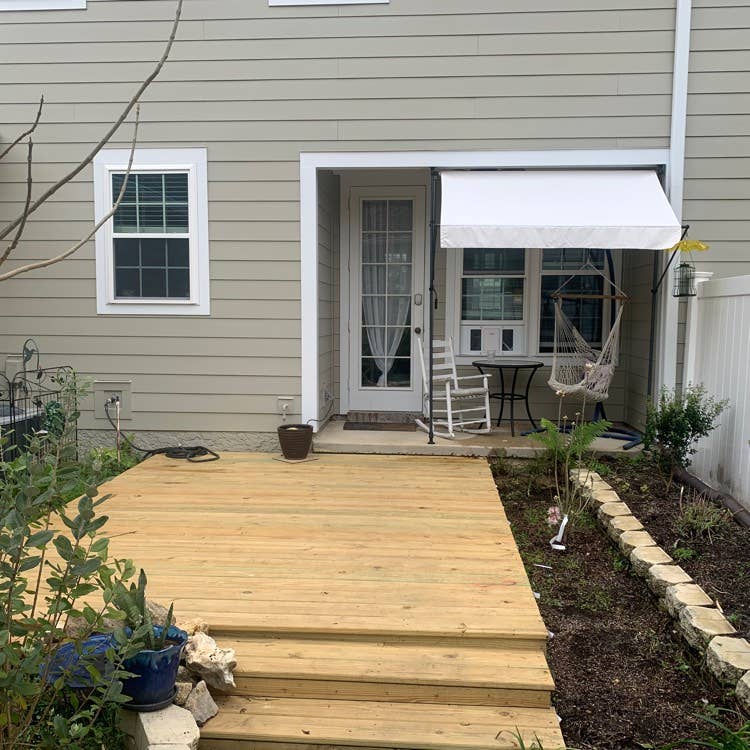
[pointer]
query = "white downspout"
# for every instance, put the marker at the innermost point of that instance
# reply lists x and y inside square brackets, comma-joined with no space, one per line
[667,369]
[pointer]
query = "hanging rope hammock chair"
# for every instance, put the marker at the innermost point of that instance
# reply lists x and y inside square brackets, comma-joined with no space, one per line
[578,369]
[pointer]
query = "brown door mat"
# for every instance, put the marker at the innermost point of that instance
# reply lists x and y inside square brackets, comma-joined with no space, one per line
[380,426]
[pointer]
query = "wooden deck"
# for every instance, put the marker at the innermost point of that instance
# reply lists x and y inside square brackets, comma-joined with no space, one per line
[374,601]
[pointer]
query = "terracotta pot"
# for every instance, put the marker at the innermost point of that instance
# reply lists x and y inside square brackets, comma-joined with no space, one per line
[295,441]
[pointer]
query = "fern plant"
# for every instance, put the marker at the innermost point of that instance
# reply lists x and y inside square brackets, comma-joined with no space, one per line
[132,603]
[566,448]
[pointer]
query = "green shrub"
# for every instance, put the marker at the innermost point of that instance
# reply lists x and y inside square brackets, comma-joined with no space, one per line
[55,568]
[677,422]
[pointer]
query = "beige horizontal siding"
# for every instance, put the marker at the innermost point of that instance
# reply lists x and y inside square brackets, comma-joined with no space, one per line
[257,85]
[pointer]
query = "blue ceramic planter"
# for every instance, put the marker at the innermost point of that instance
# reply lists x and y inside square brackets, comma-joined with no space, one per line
[71,659]
[155,673]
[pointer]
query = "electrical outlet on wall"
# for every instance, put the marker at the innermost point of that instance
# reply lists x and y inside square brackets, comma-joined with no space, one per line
[105,391]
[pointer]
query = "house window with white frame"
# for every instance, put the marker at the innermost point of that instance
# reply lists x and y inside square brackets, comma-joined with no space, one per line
[152,256]
[581,271]
[499,298]
[19,5]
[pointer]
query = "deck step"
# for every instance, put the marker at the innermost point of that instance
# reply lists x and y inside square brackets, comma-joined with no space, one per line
[450,673]
[294,724]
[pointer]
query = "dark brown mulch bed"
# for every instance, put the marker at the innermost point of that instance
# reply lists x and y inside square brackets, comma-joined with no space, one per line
[719,560]
[624,678]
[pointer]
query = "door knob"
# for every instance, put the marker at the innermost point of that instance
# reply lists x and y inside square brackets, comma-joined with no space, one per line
[417,330]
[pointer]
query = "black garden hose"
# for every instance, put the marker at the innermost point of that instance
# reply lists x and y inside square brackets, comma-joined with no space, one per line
[197,454]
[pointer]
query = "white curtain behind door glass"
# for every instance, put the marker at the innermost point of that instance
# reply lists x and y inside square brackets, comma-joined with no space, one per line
[383,317]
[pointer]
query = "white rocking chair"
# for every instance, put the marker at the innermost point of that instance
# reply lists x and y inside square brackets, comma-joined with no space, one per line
[455,407]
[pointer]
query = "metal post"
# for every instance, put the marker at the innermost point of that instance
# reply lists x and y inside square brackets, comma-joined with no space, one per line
[434,224]
[654,307]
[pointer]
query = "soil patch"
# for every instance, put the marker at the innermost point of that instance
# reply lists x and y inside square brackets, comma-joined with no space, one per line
[718,558]
[624,678]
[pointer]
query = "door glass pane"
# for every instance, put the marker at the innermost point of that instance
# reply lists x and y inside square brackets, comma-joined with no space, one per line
[399,247]
[374,216]
[386,273]
[399,374]
[399,279]
[373,247]
[399,216]
[371,373]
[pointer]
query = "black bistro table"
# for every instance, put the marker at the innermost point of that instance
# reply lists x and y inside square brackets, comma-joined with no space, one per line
[512,395]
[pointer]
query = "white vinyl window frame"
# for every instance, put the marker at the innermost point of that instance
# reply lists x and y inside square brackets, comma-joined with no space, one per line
[19,5]
[532,303]
[524,276]
[194,163]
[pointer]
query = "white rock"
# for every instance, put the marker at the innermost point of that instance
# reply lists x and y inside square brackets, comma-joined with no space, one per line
[611,510]
[172,727]
[644,558]
[602,496]
[158,613]
[700,624]
[630,540]
[660,577]
[182,691]
[618,525]
[200,704]
[196,625]
[680,595]
[728,659]
[215,665]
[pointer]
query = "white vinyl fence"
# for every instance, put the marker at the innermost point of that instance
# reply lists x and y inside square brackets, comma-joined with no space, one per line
[718,356]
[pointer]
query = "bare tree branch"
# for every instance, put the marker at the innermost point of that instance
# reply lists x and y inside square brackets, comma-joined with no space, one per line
[99,224]
[103,142]
[26,132]
[17,238]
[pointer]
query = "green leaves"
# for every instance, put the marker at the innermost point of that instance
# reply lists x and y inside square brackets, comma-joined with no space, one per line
[54,566]
[677,422]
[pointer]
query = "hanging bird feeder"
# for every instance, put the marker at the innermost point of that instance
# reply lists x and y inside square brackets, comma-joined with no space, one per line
[684,280]
[684,272]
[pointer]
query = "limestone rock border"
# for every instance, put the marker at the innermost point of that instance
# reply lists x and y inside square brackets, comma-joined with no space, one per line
[699,621]
[172,728]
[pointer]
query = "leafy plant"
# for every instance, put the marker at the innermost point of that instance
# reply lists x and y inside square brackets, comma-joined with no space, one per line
[54,568]
[682,554]
[132,602]
[677,422]
[536,743]
[700,518]
[566,448]
[720,736]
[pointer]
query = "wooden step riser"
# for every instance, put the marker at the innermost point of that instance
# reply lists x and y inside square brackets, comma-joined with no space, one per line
[518,643]
[390,692]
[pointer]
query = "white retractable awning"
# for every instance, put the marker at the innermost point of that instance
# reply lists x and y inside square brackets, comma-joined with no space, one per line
[556,209]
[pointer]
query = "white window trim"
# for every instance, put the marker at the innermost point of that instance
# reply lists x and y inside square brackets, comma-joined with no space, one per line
[194,162]
[273,3]
[20,5]
[532,304]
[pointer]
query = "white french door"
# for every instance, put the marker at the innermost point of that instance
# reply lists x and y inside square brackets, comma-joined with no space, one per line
[387,304]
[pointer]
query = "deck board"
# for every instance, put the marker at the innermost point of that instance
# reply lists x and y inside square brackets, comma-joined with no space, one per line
[401,545]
